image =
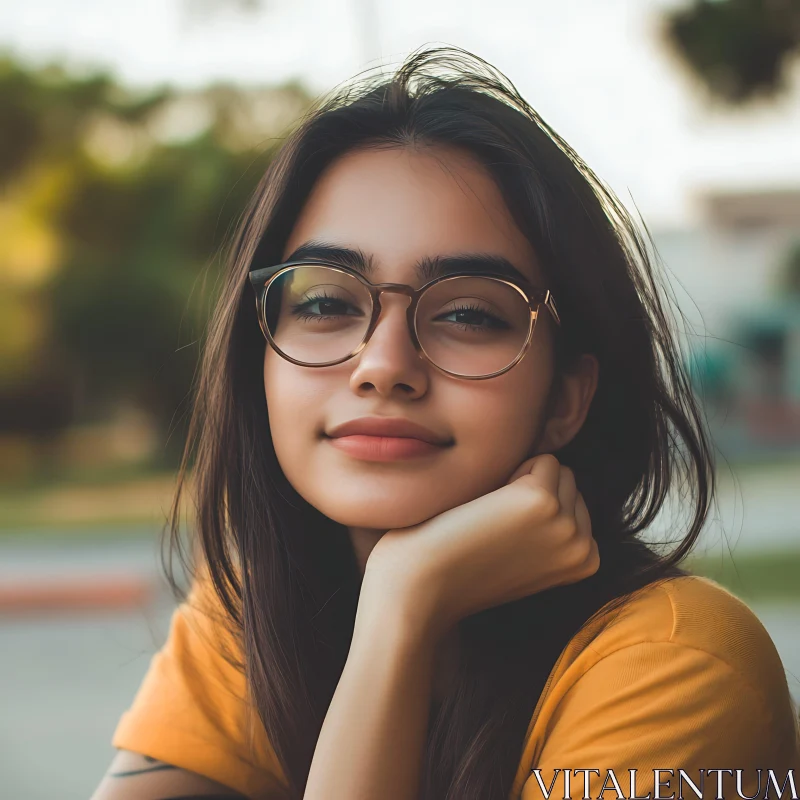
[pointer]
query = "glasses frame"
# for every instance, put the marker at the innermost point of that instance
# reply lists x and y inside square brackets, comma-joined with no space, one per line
[262,278]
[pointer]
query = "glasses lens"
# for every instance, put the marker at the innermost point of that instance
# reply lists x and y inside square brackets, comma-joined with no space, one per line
[317,314]
[472,326]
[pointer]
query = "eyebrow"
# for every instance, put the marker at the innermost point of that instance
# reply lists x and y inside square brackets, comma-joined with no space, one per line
[427,268]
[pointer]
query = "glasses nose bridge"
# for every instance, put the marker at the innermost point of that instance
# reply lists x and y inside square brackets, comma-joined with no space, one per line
[395,288]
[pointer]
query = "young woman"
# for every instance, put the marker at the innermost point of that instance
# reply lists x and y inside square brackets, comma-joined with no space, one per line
[423,461]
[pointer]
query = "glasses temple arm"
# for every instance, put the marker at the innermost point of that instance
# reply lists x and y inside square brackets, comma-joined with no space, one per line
[550,303]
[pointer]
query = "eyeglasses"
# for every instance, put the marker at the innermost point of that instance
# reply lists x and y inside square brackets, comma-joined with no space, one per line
[473,326]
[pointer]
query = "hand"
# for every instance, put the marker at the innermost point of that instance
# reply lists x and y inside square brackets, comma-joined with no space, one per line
[532,534]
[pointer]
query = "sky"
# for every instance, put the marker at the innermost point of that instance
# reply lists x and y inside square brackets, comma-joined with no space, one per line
[596,70]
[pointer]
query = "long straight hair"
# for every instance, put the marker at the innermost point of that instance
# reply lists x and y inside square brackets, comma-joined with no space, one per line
[286,575]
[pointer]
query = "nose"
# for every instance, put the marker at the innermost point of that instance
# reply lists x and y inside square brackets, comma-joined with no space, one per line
[389,363]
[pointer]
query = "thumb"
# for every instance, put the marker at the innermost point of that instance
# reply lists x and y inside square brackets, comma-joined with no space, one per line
[524,468]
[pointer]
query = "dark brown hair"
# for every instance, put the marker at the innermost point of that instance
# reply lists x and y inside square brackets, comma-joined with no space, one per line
[287,576]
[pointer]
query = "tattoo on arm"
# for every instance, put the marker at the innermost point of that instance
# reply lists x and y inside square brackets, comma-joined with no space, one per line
[145,765]
[153,765]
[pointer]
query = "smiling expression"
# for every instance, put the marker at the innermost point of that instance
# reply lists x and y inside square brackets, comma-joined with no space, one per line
[400,208]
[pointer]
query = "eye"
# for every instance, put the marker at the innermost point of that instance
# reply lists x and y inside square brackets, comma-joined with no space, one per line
[322,306]
[473,316]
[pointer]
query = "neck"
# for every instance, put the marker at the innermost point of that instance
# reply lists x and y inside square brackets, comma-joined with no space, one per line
[364,539]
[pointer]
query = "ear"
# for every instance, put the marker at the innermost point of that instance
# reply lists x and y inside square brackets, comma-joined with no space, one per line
[570,405]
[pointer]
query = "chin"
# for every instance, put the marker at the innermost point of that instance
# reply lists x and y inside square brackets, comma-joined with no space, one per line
[376,519]
[372,513]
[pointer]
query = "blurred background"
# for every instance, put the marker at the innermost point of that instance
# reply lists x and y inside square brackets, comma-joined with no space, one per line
[131,135]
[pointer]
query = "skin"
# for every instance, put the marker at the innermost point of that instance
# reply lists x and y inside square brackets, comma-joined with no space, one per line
[132,776]
[445,536]
[439,203]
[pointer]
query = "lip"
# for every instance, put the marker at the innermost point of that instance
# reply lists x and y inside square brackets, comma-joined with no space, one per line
[388,427]
[385,439]
[383,448]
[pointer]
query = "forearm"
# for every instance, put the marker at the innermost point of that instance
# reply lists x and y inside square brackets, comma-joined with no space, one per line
[372,738]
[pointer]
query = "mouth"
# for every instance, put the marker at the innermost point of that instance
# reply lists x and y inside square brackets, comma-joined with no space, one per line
[384,448]
[386,439]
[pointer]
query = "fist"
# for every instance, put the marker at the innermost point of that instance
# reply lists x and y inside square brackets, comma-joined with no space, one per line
[532,534]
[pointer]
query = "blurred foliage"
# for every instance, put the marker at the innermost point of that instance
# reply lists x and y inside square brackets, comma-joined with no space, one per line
[752,576]
[739,49]
[790,276]
[113,205]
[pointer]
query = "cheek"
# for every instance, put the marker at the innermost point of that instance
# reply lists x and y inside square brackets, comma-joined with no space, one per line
[496,424]
[529,386]
[296,398]
[500,421]
[272,380]
[288,405]
[525,392]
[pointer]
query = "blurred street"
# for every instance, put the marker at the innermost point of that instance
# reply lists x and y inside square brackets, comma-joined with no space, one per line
[64,681]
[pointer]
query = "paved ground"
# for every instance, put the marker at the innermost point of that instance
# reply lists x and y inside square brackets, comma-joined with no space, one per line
[64,681]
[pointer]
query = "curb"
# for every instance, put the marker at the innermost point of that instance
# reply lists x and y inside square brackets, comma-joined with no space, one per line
[77,593]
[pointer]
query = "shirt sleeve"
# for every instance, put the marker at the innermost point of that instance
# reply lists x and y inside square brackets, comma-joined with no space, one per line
[665,706]
[191,709]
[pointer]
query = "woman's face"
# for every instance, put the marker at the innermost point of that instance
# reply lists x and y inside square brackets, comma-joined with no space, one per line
[398,206]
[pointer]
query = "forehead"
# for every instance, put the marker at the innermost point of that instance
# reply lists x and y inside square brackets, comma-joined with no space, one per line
[400,205]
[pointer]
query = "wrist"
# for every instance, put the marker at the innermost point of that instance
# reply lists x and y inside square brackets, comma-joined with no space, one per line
[398,610]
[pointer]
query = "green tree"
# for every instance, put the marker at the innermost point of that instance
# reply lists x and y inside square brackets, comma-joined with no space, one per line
[739,50]
[114,207]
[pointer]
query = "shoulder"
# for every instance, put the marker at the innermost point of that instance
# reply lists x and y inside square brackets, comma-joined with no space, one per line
[686,613]
[682,675]
[680,657]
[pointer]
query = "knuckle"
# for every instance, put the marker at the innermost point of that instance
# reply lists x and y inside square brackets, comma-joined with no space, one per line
[580,551]
[543,503]
[592,560]
[566,528]
[546,504]
[549,460]
[586,547]
[576,556]
[591,564]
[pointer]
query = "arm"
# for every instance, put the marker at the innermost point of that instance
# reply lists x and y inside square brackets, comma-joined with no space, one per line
[372,737]
[132,776]
[418,583]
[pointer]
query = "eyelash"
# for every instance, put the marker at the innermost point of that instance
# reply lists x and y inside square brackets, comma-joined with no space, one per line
[495,322]
[297,310]
[498,323]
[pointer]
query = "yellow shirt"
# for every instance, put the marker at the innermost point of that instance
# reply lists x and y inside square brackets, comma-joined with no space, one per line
[684,677]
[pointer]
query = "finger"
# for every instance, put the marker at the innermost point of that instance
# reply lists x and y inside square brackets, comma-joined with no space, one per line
[567,491]
[544,472]
[582,515]
[523,469]
[592,563]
